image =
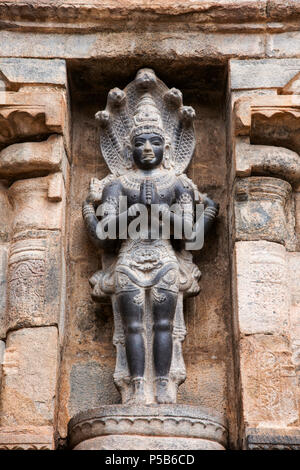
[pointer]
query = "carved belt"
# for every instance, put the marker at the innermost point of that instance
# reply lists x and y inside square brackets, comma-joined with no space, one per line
[140,280]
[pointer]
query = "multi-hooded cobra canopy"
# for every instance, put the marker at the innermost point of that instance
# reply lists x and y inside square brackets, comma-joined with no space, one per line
[146,105]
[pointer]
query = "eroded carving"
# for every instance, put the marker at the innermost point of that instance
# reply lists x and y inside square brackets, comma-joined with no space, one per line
[30,116]
[262,287]
[26,282]
[165,421]
[264,210]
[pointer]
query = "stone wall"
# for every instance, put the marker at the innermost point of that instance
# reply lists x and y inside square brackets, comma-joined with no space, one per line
[57,62]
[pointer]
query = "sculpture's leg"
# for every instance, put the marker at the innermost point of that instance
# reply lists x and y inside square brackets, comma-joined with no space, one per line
[131,307]
[164,306]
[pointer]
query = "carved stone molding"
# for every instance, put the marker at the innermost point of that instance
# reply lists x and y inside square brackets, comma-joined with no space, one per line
[262,296]
[182,421]
[269,120]
[25,446]
[269,382]
[32,158]
[262,210]
[34,277]
[276,121]
[48,209]
[92,14]
[29,380]
[16,72]
[272,439]
[262,74]
[34,114]
[29,438]
[266,160]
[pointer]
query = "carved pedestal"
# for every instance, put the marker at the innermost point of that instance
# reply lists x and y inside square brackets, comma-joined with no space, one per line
[149,427]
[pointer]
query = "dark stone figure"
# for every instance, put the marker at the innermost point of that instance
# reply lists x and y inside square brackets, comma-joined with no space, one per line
[147,140]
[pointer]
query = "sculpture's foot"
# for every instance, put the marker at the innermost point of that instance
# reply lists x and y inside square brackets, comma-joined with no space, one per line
[138,393]
[162,395]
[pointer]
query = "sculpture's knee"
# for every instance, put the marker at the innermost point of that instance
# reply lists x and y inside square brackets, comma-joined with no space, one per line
[134,328]
[163,325]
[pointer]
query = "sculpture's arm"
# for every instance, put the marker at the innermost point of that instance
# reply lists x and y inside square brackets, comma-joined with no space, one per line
[109,211]
[91,222]
[203,223]
[210,213]
[184,201]
[186,198]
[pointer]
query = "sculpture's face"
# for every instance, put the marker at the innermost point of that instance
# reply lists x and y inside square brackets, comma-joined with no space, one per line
[148,150]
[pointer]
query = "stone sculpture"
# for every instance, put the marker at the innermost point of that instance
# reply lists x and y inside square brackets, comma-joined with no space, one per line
[147,140]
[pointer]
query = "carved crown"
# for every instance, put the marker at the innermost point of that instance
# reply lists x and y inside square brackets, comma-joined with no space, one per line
[146,105]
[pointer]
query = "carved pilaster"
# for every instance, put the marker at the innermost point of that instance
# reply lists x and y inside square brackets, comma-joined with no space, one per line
[263,210]
[265,177]
[34,166]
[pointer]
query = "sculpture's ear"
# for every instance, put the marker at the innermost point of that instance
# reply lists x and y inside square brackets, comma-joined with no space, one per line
[128,153]
[168,156]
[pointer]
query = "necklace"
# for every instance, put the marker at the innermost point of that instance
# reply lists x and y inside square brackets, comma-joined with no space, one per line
[134,180]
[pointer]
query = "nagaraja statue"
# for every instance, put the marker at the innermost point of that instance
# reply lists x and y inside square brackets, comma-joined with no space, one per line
[147,139]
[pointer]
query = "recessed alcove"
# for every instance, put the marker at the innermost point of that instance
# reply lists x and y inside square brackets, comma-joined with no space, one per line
[89,356]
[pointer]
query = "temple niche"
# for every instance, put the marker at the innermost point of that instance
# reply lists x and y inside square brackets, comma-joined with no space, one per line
[97,357]
[147,344]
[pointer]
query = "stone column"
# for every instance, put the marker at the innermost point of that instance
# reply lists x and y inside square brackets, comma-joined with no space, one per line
[264,125]
[34,169]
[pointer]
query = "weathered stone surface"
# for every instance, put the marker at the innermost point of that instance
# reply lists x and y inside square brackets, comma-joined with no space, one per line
[3,288]
[285,44]
[261,288]
[268,119]
[173,421]
[263,210]
[34,282]
[266,160]
[242,115]
[297,215]
[119,442]
[26,438]
[275,120]
[205,379]
[283,9]
[262,73]
[293,86]
[88,382]
[109,45]
[29,377]
[172,11]
[272,439]
[30,114]
[18,71]
[56,187]
[294,290]
[269,388]
[6,212]
[32,158]
[33,209]
[2,350]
